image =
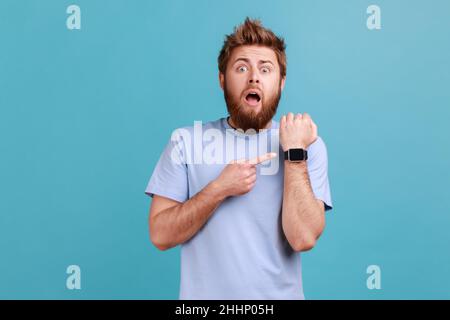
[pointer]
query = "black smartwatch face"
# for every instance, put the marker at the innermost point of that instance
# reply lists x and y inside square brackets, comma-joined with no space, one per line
[296,155]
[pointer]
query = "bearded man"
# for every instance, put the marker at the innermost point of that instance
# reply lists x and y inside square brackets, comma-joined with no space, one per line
[241,231]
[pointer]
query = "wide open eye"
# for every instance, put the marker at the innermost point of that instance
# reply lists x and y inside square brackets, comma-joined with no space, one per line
[242,69]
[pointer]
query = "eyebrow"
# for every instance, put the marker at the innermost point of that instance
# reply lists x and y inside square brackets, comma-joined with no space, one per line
[248,61]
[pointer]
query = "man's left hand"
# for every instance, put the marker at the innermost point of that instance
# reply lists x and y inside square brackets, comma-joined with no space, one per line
[297,131]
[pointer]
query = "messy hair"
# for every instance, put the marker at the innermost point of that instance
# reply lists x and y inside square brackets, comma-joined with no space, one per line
[252,32]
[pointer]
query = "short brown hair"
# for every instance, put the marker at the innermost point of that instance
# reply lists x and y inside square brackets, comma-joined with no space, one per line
[252,32]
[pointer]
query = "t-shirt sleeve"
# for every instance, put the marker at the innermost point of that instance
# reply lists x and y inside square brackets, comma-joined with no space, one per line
[169,178]
[318,172]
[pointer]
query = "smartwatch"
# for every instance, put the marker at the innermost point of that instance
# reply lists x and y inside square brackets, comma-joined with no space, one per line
[296,155]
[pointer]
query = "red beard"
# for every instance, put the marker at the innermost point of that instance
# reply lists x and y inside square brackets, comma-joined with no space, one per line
[244,119]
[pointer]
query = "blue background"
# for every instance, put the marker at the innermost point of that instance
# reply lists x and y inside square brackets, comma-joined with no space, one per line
[86,113]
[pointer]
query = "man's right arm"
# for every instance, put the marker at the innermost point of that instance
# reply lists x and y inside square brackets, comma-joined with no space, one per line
[172,222]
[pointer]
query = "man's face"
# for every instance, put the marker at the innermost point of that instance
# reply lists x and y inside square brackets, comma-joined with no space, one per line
[252,86]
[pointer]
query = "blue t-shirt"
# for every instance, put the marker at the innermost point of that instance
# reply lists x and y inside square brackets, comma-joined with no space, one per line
[241,252]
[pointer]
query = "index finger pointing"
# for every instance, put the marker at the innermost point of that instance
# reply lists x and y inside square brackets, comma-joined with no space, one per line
[262,158]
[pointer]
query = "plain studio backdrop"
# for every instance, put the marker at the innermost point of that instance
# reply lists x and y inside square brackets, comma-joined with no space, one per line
[85,114]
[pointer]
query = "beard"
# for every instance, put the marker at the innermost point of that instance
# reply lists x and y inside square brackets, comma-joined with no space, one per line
[249,119]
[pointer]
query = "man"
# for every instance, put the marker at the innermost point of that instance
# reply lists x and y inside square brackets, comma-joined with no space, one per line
[241,228]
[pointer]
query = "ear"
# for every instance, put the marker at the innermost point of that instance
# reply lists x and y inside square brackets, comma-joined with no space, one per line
[221,80]
[283,80]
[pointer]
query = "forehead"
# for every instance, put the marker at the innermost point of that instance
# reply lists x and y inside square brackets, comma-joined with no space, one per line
[253,53]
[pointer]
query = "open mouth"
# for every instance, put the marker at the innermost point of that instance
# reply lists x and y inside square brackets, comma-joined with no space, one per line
[253,98]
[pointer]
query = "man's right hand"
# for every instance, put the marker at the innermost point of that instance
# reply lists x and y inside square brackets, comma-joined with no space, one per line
[239,176]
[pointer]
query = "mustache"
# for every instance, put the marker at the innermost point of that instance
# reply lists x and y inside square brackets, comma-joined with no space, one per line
[254,88]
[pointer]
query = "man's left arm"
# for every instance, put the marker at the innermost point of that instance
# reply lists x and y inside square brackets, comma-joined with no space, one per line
[303,215]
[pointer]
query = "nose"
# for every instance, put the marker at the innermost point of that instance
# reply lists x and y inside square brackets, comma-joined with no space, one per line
[253,78]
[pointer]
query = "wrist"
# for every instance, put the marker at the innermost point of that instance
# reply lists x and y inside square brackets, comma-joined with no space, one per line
[295,146]
[216,190]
